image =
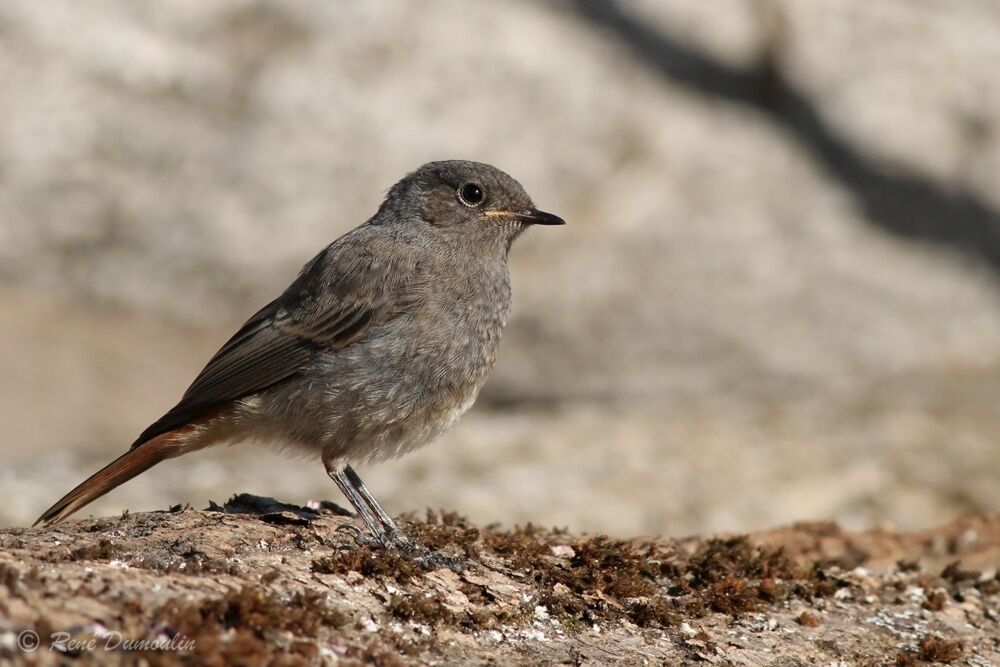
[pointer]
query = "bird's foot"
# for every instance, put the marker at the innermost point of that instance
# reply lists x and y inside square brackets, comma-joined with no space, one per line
[430,559]
[361,536]
[396,540]
[389,540]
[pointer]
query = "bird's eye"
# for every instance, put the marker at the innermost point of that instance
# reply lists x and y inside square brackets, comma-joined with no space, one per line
[471,195]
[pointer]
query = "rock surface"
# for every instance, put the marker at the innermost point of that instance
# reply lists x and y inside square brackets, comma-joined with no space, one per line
[257,580]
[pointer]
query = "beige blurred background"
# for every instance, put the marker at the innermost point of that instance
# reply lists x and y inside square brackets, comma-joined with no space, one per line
[776,299]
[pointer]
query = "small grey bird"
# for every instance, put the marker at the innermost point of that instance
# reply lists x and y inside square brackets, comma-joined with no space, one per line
[377,348]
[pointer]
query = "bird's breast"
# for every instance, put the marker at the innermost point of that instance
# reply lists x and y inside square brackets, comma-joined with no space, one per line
[422,369]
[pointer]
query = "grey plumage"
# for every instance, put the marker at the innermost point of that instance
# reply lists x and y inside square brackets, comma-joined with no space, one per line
[383,340]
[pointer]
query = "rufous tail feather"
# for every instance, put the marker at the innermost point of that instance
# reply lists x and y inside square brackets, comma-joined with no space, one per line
[119,471]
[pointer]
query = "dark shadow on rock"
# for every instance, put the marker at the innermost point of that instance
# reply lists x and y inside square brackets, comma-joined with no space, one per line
[897,201]
[274,511]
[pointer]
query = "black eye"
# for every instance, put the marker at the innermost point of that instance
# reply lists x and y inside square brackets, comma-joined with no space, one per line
[471,195]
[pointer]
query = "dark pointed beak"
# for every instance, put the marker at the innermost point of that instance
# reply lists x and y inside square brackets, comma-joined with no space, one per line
[536,217]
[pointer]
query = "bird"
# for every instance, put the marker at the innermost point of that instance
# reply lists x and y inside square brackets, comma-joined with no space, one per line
[377,348]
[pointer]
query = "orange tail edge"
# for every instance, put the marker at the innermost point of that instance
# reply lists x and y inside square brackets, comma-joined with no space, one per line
[116,473]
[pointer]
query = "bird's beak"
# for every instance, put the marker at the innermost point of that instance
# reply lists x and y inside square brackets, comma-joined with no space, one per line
[530,217]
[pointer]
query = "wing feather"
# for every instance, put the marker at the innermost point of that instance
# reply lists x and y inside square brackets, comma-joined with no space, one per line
[339,296]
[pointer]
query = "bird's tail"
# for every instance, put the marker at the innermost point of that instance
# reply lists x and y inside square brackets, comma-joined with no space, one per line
[119,471]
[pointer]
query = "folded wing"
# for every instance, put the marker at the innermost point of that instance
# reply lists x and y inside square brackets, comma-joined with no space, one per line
[337,298]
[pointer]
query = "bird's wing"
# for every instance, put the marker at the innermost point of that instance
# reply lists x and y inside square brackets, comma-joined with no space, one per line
[339,296]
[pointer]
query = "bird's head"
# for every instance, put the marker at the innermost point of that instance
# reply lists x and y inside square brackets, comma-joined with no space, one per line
[465,202]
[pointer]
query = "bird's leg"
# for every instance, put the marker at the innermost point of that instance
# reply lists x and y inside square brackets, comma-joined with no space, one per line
[392,532]
[427,557]
[378,533]
[383,529]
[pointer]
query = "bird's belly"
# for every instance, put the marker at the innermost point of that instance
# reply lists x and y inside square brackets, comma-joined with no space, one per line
[382,399]
[398,437]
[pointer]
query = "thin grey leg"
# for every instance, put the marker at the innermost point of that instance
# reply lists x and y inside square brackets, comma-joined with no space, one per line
[360,487]
[338,476]
[393,531]
[381,525]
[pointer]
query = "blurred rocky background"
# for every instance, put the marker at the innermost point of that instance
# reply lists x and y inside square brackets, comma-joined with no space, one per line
[776,299]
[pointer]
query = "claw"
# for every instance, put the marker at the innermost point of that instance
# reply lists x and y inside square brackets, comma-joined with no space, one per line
[397,540]
[366,539]
[360,536]
[347,528]
[435,559]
